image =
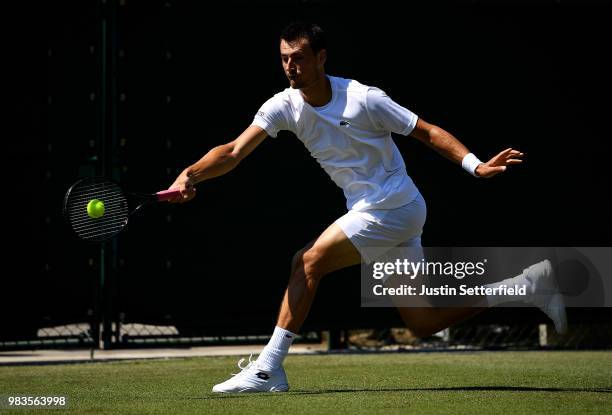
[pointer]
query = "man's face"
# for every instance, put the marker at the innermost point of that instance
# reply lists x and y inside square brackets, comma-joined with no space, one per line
[302,67]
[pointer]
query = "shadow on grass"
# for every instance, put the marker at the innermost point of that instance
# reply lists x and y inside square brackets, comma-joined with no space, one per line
[440,389]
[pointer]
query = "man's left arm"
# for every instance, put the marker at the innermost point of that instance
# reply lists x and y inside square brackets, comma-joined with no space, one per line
[450,147]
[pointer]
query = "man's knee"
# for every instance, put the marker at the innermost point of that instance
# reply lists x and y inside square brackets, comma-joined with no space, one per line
[417,321]
[296,261]
[308,263]
[421,330]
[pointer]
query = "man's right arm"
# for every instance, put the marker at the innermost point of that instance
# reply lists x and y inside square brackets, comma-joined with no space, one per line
[218,161]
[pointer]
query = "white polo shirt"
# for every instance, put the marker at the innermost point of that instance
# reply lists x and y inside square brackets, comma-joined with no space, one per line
[350,137]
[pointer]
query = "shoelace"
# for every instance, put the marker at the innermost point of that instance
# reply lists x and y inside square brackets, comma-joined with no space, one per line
[248,365]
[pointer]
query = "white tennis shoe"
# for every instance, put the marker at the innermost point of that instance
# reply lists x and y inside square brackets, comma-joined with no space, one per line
[545,293]
[252,379]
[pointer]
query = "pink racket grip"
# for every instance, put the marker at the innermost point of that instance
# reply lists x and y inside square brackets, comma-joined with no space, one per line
[169,194]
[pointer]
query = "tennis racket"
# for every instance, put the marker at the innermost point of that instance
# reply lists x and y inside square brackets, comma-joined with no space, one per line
[97,209]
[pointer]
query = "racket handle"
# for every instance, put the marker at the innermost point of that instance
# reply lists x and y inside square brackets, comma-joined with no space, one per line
[167,194]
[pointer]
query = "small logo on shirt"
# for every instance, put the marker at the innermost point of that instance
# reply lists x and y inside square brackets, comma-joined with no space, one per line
[345,123]
[261,113]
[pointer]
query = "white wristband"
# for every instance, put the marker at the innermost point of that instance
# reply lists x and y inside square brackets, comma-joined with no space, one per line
[470,162]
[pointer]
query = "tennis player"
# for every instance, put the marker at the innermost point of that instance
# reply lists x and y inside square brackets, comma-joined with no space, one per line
[347,128]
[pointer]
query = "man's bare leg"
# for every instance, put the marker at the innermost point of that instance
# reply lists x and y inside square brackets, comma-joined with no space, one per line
[542,292]
[425,321]
[333,251]
[329,252]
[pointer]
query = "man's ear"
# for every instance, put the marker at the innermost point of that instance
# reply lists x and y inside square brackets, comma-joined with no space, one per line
[322,57]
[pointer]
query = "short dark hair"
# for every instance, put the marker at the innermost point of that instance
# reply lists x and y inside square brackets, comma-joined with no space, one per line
[303,30]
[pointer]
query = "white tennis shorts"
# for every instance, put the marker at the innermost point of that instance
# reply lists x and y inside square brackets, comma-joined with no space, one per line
[374,232]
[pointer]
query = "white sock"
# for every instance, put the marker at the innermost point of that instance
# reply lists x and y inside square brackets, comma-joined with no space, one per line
[275,351]
[498,299]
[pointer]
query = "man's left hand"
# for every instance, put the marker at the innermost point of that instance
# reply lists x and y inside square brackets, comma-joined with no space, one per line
[499,163]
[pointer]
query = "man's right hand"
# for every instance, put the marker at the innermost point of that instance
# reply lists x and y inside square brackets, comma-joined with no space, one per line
[185,183]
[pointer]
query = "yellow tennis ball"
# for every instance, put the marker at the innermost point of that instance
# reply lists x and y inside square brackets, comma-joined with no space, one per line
[95,208]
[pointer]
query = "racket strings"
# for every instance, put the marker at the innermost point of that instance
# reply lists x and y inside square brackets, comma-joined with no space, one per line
[115,209]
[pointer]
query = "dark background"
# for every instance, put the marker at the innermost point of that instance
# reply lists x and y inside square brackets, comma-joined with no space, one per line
[138,90]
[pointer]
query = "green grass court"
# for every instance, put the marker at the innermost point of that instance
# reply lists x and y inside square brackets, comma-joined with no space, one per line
[393,383]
